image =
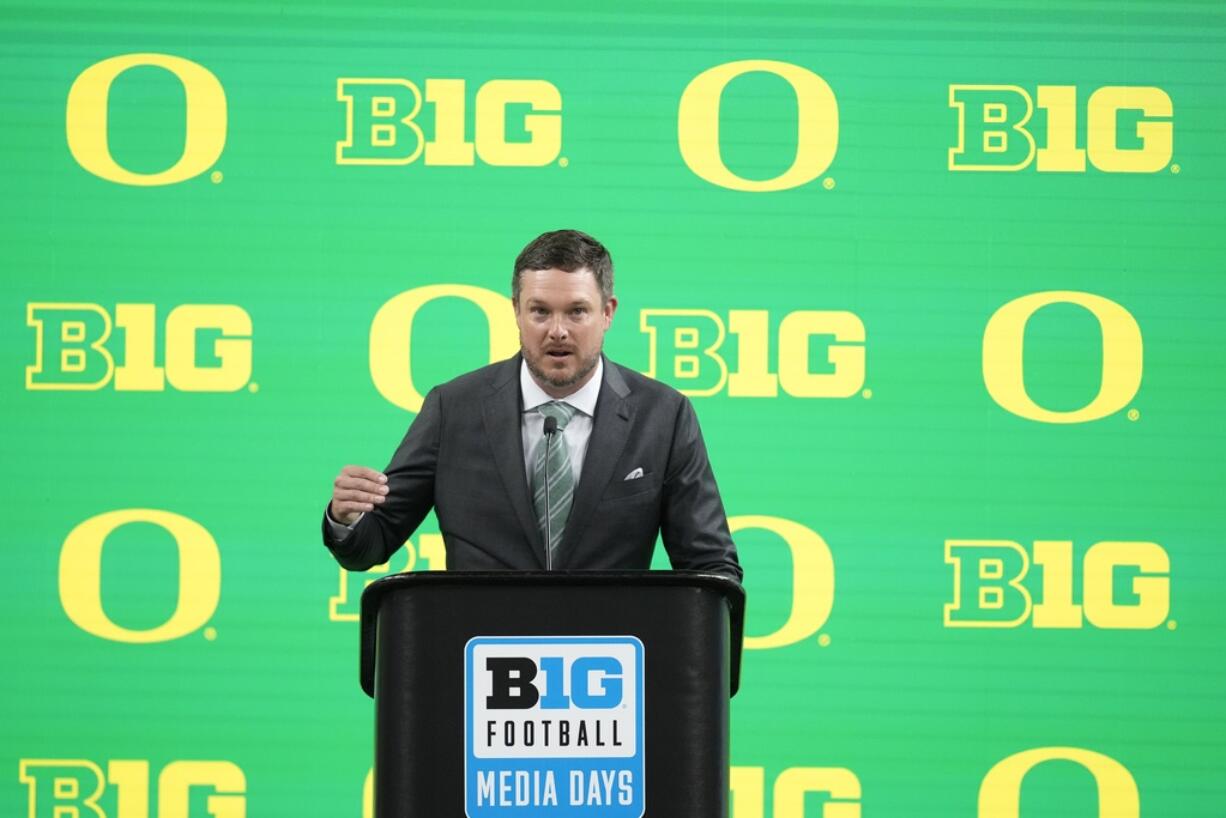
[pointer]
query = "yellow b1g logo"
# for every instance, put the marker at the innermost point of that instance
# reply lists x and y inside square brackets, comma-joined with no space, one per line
[382,127]
[838,788]
[1128,129]
[684,350]
[76,788]
[207,348]
[988,589]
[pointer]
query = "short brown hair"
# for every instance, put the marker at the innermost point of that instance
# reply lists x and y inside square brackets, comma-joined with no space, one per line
[569,251]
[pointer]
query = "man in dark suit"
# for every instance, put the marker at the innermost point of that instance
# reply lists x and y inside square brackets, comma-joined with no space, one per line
[555,459]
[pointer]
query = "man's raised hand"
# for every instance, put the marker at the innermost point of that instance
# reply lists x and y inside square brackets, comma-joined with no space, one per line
[355,491]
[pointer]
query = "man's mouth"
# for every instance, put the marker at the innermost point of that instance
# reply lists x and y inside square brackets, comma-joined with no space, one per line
[558,354]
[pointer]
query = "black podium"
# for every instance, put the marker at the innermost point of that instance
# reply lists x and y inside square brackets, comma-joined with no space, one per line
[551,694]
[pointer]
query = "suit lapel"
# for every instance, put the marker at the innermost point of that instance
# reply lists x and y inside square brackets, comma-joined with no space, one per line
[501,414]
[610,431]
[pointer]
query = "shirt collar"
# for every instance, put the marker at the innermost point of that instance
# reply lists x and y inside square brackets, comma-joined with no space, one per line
[584,399]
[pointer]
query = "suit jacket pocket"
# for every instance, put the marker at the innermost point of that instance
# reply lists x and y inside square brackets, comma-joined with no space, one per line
[640,487]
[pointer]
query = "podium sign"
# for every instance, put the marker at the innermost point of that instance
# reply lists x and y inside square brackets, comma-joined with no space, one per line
[565,694]
[554,726]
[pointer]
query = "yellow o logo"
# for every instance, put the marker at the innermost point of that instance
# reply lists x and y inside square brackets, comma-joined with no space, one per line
[817,125]
[86,119]
[812,580]
[1003,356]
[81,575]
[391,333]
[1001,791]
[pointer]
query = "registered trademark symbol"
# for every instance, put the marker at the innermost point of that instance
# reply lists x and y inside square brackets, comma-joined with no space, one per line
[210,633]
[253,387]
[828,183]
[564,162]
[1175,168]
[867,394]
[824,640]
[216,177]
[1171,624]
[1134,414]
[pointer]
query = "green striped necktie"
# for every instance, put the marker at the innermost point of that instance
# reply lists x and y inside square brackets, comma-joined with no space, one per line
[551,467]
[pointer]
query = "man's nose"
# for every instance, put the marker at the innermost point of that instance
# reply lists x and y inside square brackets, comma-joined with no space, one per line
[557,327]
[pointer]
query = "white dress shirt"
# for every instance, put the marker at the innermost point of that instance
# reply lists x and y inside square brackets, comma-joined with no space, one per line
[532,426]
[578,430]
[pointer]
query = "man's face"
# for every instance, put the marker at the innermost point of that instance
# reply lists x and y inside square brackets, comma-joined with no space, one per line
[561,327]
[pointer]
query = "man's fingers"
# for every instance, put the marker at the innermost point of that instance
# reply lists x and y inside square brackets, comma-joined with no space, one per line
[357,489]
[364,472]
[355,495]
[346,511]
[360,483]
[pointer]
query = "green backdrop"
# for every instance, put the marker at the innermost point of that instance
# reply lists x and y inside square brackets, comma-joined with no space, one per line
[944,281]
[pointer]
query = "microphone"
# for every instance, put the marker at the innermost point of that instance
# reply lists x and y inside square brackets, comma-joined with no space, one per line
[550,429]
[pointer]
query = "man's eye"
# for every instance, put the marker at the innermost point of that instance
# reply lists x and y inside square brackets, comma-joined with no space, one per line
[578,312]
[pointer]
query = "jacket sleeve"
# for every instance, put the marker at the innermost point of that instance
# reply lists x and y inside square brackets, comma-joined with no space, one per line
[410,496]
[693,523]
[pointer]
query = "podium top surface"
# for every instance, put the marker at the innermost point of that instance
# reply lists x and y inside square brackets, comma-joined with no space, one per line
[732,593]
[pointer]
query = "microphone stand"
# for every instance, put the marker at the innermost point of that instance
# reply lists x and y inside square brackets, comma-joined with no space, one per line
[550,429]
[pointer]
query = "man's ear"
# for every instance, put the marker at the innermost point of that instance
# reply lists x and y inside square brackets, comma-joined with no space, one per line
[608,309]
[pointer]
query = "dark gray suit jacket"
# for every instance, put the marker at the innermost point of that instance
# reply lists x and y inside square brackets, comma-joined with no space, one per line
[463,455]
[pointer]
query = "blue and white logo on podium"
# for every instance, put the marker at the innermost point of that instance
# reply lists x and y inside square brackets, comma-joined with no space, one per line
[554,726]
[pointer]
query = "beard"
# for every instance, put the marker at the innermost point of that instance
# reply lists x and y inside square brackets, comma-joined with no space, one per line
[559,380]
